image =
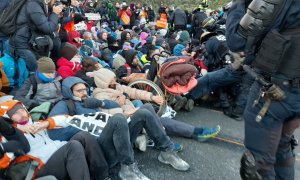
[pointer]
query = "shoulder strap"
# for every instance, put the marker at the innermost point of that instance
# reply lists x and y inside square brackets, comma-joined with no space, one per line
[34,86]
[128,69]
[71,107]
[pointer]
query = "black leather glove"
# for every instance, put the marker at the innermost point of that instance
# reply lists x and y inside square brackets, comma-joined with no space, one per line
[93,103]
[5,128]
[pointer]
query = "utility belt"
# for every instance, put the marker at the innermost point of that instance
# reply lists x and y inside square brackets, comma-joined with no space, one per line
[283,83]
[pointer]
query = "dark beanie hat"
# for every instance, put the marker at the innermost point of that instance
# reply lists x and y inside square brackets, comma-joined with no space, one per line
[46,65]
[149,40]
[13,110]
[159,41]
[68,51]
[111,40]
[185,37]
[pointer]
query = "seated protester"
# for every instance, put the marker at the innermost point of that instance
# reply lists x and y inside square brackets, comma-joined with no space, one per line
[33,20]
[113,45]
[15,70]
[81,158]
[151,40]
[125,36]
[119,150]
[42,86]
[184,40]
[135,41]
[172,41]
[131,66]
[87,48]
[102,38]
[109,89]
[74,38]
[12,143]
[69,62]
[143,37]
[88,65]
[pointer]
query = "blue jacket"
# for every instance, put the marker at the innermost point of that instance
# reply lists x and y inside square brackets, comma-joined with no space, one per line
[10,68]
[236,42]
[61,107]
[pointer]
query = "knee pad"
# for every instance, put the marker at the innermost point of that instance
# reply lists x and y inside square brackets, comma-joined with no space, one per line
[249,168]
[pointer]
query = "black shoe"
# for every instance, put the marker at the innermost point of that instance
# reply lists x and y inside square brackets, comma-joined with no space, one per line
[189,106]
[180,103]
[230,113]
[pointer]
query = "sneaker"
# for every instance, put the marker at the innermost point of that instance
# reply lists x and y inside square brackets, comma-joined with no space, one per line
[131,172]
[180,103]
[189,106]
[141,142]
[178,147]
[208,133]
[171,157]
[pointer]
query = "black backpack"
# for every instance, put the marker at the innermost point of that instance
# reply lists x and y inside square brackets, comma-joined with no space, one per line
[8,17]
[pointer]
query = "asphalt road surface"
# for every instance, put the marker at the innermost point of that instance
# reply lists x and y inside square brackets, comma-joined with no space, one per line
[218,158]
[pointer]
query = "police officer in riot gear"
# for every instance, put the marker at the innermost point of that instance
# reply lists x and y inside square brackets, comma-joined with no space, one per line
[268,31]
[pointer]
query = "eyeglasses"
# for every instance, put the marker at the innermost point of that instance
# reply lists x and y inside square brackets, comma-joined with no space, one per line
[81,90]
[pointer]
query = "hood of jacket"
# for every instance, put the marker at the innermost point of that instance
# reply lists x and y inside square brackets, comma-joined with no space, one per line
[71,36]
[67,85]
[103,77]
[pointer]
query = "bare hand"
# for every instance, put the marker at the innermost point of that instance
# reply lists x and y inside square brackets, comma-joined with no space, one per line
[27,129]
[158,99]
[40,126]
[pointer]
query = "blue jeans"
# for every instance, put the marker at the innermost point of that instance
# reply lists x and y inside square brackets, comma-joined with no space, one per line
[63,134]
[213,80]
[270,140]
[117,137]
[172,127]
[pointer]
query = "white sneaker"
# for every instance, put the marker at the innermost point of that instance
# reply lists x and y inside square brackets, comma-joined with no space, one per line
[141,142]
[131,172]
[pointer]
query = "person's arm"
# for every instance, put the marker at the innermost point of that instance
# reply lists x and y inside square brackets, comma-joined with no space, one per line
[46,25]
[235,41]
[23,95]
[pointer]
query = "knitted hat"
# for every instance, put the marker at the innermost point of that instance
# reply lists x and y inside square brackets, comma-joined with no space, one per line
[159,41]
[68,51]
[184,36]
[14,109]
[111,40]
[137,30]
[149,40]
[46,65]
[89,43]
[103,77]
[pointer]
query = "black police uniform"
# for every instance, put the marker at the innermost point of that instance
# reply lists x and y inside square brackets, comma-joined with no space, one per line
[269,152]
